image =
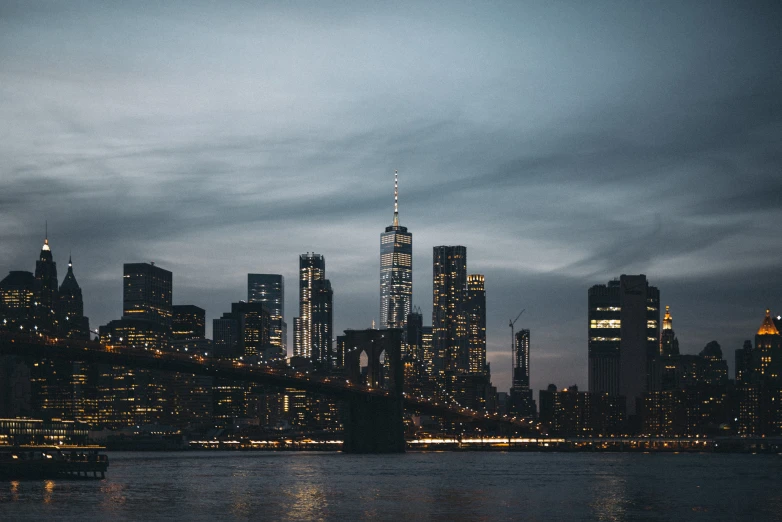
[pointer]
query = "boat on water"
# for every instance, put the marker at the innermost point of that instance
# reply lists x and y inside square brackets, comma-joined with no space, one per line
[48,462]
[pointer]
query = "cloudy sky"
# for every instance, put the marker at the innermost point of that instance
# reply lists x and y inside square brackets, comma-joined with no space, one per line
[562,143]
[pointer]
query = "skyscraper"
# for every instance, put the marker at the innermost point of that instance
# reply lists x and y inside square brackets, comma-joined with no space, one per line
[147,293]
[768,349]
[396,270]
[669,344]
[45,291]
[188,322]
[314,324]
[476,323]
[269,289]
[253,321]
[624,337]
[449,319]
[665,367]
[521,360]
[322,323]
[17,296]
[70,310]
[520,401]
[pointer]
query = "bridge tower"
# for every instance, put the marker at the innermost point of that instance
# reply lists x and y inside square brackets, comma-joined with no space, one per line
[374,423]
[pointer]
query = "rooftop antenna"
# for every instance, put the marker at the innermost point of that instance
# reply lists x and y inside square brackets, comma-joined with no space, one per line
[396,198]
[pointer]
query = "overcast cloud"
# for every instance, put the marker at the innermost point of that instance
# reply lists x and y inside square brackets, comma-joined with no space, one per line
[562,144]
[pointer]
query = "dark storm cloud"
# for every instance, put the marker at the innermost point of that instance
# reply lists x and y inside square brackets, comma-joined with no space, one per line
[563,145]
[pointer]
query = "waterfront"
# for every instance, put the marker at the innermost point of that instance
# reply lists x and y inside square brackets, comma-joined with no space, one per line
[415,486]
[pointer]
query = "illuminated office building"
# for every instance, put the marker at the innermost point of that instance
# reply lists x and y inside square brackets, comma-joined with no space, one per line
[322,323]
[313,327]
[134,333]
[188,322]
[16,300]
[45,291]
[476,323]
[624,337]
[521,360]
[449,317]
[768,349]
[396,270]
[146,293]
[253,321]
[269,289]
[70,308]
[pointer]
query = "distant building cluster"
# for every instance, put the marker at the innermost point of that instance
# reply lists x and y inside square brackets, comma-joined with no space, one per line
[638,381]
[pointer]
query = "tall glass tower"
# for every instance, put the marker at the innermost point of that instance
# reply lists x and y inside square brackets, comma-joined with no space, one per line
[449,317]
[269,289]
[313,327]
[396,270]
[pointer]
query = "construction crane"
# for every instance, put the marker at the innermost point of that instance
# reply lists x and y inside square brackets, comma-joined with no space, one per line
[512,324]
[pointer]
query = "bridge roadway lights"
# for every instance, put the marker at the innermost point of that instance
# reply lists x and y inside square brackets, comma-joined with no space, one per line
[374,424]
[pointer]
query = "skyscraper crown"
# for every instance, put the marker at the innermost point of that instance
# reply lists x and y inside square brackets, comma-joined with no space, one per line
[768,327]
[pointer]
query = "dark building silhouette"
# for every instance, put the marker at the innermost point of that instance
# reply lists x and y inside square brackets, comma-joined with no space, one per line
[624,337]
[476,323]
[669,344]
[70,308]
[225,337]
[253,320]
[323,324]
[188,330]
[743,363]
[573,413]
[45,291]
[147,293]
[188,322]
[449,317]
[664,367]
[269,289]
[396,270]
[520,400]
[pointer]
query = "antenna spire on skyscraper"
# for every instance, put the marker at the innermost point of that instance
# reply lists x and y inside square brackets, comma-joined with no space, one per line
[396,198]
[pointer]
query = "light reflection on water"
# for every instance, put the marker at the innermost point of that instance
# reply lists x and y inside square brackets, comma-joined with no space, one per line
[415,486]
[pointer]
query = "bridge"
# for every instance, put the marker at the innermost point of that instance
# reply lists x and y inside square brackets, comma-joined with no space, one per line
[375,415]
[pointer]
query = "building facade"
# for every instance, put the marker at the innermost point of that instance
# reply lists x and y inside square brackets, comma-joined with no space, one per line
[476,323]
[45,292]
[147,293]
[313,327]
[269,289]
[449,317]
[70,308]
[624,337]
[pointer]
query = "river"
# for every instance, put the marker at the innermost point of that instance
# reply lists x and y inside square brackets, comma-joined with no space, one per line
[440,486]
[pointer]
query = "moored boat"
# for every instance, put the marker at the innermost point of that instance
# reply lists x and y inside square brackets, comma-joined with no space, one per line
[46,462]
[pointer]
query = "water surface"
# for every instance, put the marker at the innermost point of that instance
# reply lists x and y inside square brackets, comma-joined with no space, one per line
[415,486]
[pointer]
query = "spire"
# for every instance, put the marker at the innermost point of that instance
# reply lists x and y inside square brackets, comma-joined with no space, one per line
[70,262]
[396,198]
[667,320]
[768,327]
[46,238]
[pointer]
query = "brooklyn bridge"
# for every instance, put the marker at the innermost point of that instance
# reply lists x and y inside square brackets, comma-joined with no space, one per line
[374,420]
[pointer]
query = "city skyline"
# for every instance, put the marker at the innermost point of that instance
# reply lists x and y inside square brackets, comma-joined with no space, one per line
[565,147]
